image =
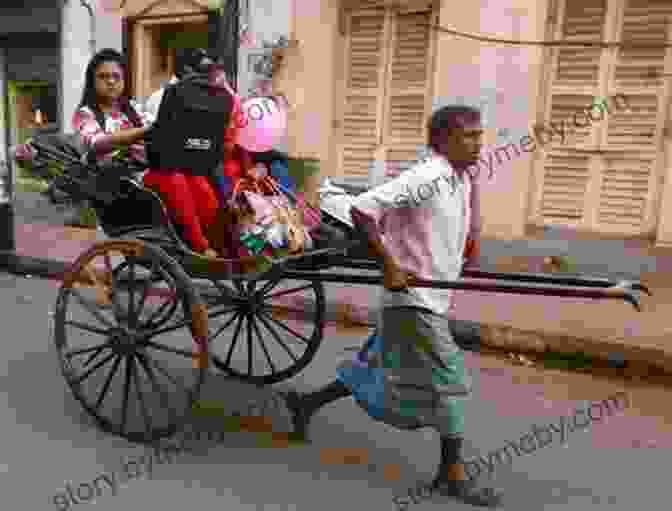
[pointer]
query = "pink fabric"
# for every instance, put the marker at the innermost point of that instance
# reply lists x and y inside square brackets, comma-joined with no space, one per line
[425,236]
[84,122]
[475,207]
[218,81]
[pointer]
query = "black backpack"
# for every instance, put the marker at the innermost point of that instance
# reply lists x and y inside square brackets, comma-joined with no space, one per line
[189,129]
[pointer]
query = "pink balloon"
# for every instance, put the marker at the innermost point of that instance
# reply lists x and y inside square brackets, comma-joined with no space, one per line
[263,125]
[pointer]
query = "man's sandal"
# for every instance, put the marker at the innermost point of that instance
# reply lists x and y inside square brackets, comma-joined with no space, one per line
[467,492]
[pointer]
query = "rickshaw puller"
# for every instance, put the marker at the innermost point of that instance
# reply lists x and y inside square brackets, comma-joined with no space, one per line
[416,377]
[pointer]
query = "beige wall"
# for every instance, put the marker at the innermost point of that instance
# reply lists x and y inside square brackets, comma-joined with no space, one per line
[312,81]
[307,79]
[465,66]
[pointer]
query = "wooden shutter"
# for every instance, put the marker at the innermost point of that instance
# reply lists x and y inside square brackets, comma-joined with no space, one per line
[408,95]
[387,91]
[632,137]
[603,179]
[403,6]
[564,174]
[364,90]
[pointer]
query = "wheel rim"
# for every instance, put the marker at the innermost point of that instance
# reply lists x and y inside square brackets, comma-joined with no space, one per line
[125,361]
[268,335]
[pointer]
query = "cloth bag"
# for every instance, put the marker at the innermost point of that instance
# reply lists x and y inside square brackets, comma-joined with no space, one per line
[271,216]
[366,377]
[257,223]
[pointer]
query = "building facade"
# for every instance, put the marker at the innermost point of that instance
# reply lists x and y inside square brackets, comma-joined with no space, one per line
[578,136]
[45,46]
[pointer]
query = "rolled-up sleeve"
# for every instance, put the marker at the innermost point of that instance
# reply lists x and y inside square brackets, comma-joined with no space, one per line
[84,122]
[22,152]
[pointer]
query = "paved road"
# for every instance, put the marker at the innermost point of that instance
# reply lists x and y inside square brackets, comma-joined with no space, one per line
[46,440]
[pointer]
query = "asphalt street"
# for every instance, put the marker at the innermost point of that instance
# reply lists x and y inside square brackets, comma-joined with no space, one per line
[48,444]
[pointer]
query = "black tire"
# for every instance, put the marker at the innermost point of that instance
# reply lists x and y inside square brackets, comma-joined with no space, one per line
[127,332]
[260,318]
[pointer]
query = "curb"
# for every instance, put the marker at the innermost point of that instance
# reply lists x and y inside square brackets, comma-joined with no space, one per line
[509,339]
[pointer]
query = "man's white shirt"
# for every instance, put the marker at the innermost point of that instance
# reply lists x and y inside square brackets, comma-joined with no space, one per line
[152,105]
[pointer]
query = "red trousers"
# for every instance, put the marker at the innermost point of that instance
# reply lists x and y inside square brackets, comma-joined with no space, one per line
[191,200]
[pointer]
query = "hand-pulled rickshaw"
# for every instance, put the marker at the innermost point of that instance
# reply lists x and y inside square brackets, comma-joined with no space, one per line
[125,360]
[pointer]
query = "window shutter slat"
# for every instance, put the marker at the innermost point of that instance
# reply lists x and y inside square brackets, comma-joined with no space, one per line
[406,111]
[403,6]
[584,21]
[566,111]
[636,127]
[565,181]
[643,22]
[364,90]
[625,192]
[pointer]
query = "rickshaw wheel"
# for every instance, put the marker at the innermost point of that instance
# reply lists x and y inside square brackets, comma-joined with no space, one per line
[273,317]
[131,328]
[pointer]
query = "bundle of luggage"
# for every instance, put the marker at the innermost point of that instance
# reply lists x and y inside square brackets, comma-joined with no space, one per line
[262,220]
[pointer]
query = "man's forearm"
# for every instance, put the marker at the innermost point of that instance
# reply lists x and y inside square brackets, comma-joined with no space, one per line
[121,137]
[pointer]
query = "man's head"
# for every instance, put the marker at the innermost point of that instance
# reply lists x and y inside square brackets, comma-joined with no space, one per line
[455,132]
[191,60]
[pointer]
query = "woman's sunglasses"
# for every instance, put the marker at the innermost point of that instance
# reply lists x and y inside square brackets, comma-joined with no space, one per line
[106,77]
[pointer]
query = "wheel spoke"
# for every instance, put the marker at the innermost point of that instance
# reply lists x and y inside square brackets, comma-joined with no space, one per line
[224,290]
[223,327]
[249,346]
[170,328]
[95,354]
[88,373]
[145,290]
[160,310]
[235,340]
[131,291]
[115,296]
[277,338]
[165,400]
[267,287]
[127,385]
[91,308]
[165,372]
[286,328]
[177,351]
[263,344]
[288,291]
[81,351]
[217,313]
[141,398]
[87,328]
[106,385]
[240,287]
